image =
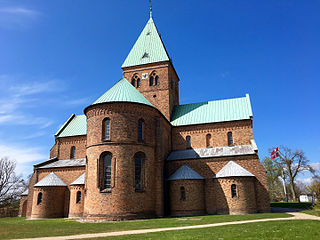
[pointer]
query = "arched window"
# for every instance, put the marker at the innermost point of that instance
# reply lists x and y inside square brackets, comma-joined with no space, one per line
[139,159]
[78,199]
[208,139]
[233,190]
[188,139]
[140,130]
[106,129]
[135,81]
[73,152]
[153,79]
[39,199]
[230,139]
[105,174]
[182,193]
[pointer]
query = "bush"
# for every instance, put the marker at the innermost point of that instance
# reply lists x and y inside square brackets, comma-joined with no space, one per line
[302,205]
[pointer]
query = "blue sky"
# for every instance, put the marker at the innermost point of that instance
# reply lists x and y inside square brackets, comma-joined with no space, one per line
[57,57]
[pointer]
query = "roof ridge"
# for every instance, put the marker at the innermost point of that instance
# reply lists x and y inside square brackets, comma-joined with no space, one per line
[224,99]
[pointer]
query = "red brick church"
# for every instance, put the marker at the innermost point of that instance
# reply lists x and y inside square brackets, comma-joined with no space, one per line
[137,153]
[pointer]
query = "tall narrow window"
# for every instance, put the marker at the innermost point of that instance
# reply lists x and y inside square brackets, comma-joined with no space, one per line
[230,139]
[140,130]
[138,171]
[233,190]
[153,79]
[106,129]
[39,199]
[73,152]
[78,200]
[107,170]
[188,139]
[208,139]
[135,81]
[182,193]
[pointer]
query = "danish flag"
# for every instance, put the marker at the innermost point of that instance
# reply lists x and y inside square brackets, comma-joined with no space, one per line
[275,153]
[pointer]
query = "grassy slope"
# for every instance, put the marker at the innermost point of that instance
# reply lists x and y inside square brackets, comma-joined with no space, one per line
[312,212]
[21,228]
[297,229]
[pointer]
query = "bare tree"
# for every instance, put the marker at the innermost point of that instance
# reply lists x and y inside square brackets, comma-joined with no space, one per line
[293,163]
[11,185]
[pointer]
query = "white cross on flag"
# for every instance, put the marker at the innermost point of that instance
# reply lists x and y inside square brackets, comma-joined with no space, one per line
[275,153]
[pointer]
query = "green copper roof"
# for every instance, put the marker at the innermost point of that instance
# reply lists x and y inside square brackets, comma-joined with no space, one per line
[122,91]
[74,126]
[212,111]
[148,48]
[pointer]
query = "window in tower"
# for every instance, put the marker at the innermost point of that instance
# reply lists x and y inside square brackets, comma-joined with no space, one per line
[39,199]
[105,170]
[153,79]
[135,81]
[182,193]
[233,190]
[188,139]
[139,159]
[230,139]
[106,129]
[140,130]
[72,152]
[78,198]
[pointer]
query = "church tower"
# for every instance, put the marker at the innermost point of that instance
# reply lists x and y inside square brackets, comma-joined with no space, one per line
[149,69]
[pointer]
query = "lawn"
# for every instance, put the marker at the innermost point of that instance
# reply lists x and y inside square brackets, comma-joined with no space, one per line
[21,228]
[312,212]
[296,229]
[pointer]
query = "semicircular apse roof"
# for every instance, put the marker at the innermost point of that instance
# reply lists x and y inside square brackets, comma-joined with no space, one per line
[122,91]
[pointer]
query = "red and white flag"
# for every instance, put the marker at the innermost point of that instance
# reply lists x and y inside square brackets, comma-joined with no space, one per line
[275,153]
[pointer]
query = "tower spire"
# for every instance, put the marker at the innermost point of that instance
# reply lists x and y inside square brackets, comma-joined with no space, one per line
[150,3]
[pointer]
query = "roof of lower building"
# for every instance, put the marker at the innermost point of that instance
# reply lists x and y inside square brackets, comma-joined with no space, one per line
[76,125]
[25,193]
[51,180]
[122,91]
[185,172]
[212,111]
[232,169]
[65,163]
[149,48]
[80,180]
[225,151]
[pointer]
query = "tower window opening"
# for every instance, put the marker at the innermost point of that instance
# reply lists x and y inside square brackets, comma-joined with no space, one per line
[39,199]
[135,81]
[140,130]
[230,139]
[78,198]
[188,139]
[153,79]
[106,129]
[139,159]
[107,170]
[233,191]
[208,139]
[72,152]
[182,193]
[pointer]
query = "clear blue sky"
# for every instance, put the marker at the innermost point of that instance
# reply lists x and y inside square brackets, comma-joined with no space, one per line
[57,57]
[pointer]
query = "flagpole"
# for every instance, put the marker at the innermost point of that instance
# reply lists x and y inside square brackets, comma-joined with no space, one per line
[284,186]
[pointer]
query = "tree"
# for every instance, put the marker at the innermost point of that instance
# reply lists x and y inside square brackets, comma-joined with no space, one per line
[274,183]
[314,189]
[293,162]
[11,185]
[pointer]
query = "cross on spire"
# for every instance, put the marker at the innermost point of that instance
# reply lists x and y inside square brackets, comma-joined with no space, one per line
[150,3]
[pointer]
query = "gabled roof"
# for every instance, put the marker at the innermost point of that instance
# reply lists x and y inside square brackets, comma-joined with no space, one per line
[212,111]
[185,172]
[76,125]
[51,180]
[232,169]
[149,48]
[122,91]
[65,163]
[224,151]
[80,180]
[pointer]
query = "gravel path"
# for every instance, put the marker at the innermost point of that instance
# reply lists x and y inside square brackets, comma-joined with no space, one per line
[296,216]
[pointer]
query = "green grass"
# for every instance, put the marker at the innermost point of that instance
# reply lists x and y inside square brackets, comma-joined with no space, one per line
[295,229]
[21,228]
[303,205]
[312,212]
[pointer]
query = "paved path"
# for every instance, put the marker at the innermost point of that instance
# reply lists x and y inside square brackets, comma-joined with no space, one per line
[296,216]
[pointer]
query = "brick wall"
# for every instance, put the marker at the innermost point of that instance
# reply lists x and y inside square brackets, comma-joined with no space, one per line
[241,131]
[76,208]
[23,206]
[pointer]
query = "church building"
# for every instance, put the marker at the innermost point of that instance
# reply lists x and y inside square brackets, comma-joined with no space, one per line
[137,153]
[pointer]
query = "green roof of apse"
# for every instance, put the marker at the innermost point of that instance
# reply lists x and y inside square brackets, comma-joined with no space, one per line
[149,48]
[74,126]
[212,111]
[122,91]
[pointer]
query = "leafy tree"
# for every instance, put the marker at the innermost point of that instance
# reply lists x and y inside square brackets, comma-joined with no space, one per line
[314,188]
[274,183]
[11,185]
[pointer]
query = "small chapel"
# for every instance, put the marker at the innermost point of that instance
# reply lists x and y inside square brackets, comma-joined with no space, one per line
[137,153]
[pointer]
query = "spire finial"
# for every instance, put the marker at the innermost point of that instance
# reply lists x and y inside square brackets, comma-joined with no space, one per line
[150,8]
